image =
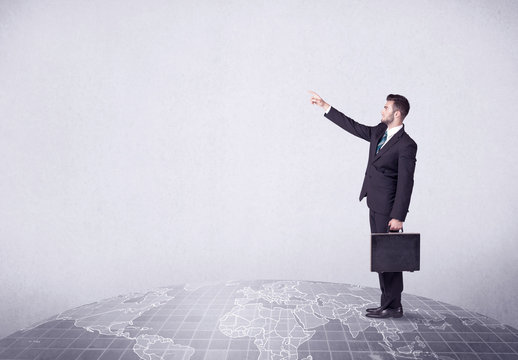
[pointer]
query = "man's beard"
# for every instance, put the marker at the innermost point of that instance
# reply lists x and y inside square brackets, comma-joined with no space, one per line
[387,121]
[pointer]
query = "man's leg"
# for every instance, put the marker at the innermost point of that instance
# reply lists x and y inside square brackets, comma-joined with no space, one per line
[391,283]
[393,288]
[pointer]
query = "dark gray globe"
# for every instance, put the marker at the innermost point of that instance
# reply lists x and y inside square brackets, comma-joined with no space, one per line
[261,320]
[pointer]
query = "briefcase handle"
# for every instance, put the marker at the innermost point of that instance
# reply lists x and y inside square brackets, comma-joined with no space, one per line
[393,231]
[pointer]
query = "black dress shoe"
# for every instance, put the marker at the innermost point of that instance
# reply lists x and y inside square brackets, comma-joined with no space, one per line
[386,313]
[379,308]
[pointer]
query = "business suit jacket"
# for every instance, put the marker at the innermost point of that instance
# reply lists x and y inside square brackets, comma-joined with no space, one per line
[389,178]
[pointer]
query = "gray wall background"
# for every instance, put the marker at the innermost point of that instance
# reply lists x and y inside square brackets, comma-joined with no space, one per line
[150,143]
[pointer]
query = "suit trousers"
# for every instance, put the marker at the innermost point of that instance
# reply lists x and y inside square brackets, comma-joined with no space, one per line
[391,283]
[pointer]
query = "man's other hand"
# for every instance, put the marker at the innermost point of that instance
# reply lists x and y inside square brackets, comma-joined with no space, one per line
[395,225]
[317,100]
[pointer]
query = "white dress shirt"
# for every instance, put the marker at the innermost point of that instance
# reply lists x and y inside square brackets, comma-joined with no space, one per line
[391,132]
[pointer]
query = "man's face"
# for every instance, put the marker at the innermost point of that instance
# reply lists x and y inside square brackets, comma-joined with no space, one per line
[387,114]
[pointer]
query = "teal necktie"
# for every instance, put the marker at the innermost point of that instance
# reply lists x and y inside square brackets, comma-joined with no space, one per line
[382,141]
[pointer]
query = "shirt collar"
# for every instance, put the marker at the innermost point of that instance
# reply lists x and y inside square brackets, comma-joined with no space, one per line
[392,131]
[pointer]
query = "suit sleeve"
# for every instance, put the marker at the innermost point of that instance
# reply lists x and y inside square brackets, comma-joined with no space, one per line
[348,124]
[405,181]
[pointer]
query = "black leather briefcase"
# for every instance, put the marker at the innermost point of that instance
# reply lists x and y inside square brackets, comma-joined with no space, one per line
[395,251]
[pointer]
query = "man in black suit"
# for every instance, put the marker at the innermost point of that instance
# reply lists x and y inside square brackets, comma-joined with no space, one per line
[388,182]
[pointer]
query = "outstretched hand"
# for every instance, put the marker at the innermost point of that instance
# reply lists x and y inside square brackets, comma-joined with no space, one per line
[317,100]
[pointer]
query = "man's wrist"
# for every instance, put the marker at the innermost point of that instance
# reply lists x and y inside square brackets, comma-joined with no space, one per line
[326,107]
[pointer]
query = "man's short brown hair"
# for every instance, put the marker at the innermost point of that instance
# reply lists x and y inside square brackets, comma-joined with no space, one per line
[400,103]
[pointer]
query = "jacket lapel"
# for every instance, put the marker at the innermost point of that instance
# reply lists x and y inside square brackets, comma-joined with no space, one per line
[392,142]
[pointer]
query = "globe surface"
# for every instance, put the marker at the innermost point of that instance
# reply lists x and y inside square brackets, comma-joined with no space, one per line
[261,320]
